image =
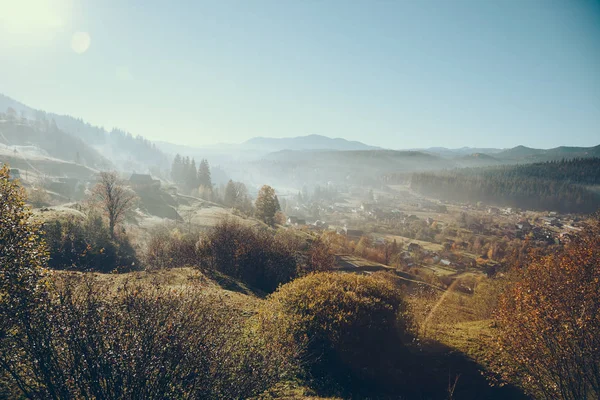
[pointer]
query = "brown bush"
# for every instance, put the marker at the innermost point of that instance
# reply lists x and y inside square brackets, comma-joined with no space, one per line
[87,245]
[252,255]
[550,322]
[89,341]
[350,327]
[171,249]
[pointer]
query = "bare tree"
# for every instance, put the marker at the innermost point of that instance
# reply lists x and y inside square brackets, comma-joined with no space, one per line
[114,197]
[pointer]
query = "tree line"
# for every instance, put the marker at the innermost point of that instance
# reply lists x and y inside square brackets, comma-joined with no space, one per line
[555,185]
[185,173]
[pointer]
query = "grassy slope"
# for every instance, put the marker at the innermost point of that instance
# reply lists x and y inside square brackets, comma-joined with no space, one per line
[455,342]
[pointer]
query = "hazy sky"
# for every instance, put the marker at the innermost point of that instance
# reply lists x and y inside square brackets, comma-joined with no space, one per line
[399,74]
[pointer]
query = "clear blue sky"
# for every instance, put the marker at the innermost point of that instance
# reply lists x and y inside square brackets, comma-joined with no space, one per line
[399,74]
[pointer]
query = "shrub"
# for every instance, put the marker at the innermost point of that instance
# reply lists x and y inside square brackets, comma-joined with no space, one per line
[550,322]
[251,255]
[87,245]
[318,258]
[137,342]
[171,249]
[350,327]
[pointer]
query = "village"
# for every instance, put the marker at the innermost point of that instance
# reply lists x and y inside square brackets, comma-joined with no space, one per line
[393,228]
[436,237]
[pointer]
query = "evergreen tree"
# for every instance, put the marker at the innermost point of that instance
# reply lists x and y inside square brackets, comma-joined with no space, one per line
[204,178]
[177,169]
[192,176]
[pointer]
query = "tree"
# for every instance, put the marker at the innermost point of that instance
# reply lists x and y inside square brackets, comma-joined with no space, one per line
[230,196]
[177,169]
[22,252]
[319,258]
[267,205]
[204,178]
[191,179]
[550,322]
[114,198]
[23,257]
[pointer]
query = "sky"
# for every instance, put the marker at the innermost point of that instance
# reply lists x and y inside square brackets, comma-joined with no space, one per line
[397,74]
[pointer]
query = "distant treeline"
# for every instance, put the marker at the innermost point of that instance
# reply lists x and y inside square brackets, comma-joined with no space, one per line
[555,185]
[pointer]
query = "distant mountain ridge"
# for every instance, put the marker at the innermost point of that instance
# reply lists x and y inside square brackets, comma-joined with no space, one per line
[308,142]
[517,154]
[528,154]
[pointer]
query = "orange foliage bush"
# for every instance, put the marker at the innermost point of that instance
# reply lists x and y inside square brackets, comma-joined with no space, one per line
[550,322]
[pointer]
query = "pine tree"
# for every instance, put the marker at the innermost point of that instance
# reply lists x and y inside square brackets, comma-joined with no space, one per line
[177,168]
[204,178]
[192,176]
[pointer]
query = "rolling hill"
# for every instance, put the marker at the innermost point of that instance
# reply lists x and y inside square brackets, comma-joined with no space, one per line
[289,168]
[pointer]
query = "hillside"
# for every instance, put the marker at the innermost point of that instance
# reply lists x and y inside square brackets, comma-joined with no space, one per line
[477,160]
[49,140]
[362,166]
[528,154]
[518,154]
[555,186]
[125,151]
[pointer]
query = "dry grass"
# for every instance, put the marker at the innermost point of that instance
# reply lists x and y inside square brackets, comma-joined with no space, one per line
[180,279]
[459,319]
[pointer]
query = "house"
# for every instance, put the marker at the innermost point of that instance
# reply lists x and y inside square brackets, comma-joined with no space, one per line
[379,241]
[320,224]
[143,181]
[523,225]
[296,221]
[493,210]
[352,233]
[552,221]
[414,247]
[66,186]
[366,207]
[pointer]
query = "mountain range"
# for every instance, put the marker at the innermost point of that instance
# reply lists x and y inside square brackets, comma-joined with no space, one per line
[73,140]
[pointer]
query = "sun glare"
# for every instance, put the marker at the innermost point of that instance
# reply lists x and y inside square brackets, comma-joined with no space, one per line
[80,42]
[29,22]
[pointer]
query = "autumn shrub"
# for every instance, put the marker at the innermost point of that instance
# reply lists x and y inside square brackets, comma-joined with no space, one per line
[139,341]
[250,254]
[171,248]
[85,244]
[69,335]
[351,328]
[550,322]
[317,258]
[23,257]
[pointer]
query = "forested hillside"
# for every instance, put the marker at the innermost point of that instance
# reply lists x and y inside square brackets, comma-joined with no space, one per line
[556,185]
[43,137]
[126,151]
